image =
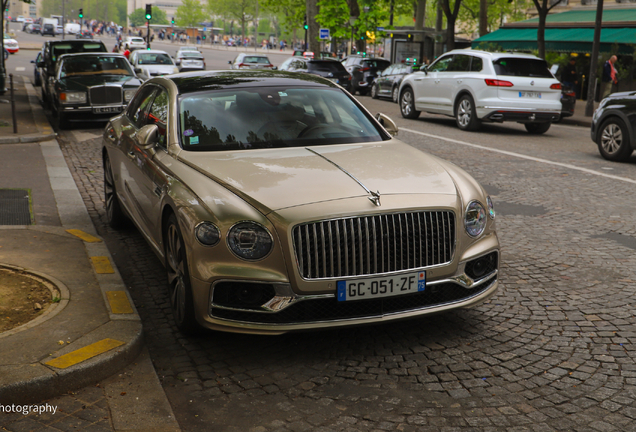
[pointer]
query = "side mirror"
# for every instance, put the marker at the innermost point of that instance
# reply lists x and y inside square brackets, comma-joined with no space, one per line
[275,68]
[387,123]
[137,70]
[147,137]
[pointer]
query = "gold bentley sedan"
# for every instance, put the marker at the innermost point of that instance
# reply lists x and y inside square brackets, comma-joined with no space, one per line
[279,203]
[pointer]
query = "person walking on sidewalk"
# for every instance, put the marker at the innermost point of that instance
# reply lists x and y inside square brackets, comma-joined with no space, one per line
[610,76]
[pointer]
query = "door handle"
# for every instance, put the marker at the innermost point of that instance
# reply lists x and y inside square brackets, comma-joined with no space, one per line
[417,79]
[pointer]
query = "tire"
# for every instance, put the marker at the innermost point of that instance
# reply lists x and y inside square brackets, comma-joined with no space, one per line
[465,114]
[537,128]
[395,94]
[114,213]
[407,104]
[374,91]
[179,286]
[61,121]
[614,142]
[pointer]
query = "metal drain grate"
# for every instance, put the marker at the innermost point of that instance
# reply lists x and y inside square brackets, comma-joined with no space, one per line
[14,207]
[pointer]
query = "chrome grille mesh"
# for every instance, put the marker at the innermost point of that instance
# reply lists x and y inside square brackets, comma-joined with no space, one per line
[374,244]
[105,95]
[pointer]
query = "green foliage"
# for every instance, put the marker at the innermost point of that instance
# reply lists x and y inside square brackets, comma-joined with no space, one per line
[334,15]
[240,10]
[138,17]
[489,46]
[499,11]
[189,14]
[112,10]
[290,13]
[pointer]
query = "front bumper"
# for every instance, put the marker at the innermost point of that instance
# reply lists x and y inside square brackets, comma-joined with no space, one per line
[286,311]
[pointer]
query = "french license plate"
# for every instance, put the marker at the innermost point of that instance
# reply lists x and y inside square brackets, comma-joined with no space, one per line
[370,288]
[530,94]
[106,110]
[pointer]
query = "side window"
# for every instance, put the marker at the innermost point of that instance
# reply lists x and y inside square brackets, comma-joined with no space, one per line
[460,63]
[138,108]
[476,64]
[159,115]
[389,70]
[441,65]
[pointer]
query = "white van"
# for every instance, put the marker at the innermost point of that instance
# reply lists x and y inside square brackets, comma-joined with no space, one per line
[72,28]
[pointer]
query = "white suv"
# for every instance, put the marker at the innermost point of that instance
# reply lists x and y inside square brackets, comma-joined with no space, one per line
[133,43]
[475,86]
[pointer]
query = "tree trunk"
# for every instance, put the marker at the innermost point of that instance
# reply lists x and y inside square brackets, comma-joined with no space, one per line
[483,17]
[420,15]
[596,44]
[312,32]
[543,14]
[450,33]
[354,11]
[439,25]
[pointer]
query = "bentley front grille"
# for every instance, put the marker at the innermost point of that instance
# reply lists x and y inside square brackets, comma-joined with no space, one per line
[374,244]
[105,95]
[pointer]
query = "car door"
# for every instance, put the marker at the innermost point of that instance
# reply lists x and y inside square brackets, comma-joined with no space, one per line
[426,85]
[383,80]
[450,80]
[135,170]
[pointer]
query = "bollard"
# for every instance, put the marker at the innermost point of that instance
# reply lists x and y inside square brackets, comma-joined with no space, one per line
[15,123]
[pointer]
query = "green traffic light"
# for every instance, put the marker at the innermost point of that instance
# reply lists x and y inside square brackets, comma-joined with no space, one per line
[148,17]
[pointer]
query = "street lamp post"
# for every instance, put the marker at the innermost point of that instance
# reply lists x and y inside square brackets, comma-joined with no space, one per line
[352,20]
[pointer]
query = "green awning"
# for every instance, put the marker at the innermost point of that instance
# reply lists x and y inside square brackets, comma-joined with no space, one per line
[585,18]
[565,40]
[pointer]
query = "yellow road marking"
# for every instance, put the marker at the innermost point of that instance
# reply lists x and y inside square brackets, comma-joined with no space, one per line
[85,353]
[84,236]
[119,303]
[102,265]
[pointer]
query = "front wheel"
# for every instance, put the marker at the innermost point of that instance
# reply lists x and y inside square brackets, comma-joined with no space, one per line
[114,214]
[537,128]
[374,91]
[613,140]
[465,114]
[179,286]
[407,105]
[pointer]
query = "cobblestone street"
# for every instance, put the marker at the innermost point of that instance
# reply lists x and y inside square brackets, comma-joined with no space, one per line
[554,350]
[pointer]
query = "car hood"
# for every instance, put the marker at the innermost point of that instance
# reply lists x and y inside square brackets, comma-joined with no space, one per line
[274,179]
[81,82]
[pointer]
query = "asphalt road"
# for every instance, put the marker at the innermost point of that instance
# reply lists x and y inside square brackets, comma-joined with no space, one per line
[554,350]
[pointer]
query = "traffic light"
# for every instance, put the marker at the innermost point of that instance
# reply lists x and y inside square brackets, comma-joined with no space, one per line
[203,36]
[81,13]
[305,26]
[148,12]
[173,21]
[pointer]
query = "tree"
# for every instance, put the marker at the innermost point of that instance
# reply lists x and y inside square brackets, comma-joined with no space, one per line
[543,8]
[240,10]
[451,17]
[138,17]
[112,10]
[189,14]
[498,12]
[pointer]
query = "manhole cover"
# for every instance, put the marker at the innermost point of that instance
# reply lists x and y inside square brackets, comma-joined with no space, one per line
[15,208]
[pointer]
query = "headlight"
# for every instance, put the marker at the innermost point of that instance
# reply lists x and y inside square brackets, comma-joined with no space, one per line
[207,234]
[491,208]
[475,219]
[128,94]
[73,97]
[249,240]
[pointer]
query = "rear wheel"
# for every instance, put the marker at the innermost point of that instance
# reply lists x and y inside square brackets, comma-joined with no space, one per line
[179,286]
[374,91]
[407,105]
[614,141]
[465,114]
[395,95]
[114,214]
[537,128]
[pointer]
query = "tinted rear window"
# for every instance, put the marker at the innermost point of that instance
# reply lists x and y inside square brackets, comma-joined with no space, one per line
[254,59]
[326,66]
[522,67]
[380,64]
[77,47]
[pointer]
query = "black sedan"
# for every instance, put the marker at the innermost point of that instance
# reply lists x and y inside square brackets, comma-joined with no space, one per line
[387,84]
[92,87]
[330,69]
[363,71]
[612,126]
[568,101]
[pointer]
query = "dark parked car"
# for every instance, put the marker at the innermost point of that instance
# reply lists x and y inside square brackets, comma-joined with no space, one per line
[613,128]
[84,34]
[37,71]
[568,100]
[363,71]
[387,84]
[48,29]
[92,86]
[330,69]
[51,52]
[33,28]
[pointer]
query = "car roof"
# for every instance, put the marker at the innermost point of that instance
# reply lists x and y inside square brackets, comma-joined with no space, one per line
[191,82]
[493,55]
[151,51]
[73,42]
[89,54]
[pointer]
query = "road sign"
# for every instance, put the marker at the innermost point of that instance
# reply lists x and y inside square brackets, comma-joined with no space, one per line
[324,33]
[379,28]
[205,29]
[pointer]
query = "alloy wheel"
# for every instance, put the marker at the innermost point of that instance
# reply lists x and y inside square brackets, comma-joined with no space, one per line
[395,94]
[407,100]
[176,273]
[464,113]
[109,190]
[612,138]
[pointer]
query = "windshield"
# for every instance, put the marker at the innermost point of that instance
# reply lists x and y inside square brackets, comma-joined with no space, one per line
[154,59]
[94,65]
[255,59]
[252,118]
[523,67]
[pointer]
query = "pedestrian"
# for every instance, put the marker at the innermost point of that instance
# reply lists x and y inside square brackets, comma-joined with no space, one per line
[569,76]
[126,53]
[610,76]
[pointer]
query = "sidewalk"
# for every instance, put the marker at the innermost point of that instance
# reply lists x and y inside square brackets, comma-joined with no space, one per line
[93,330]
[579,118]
